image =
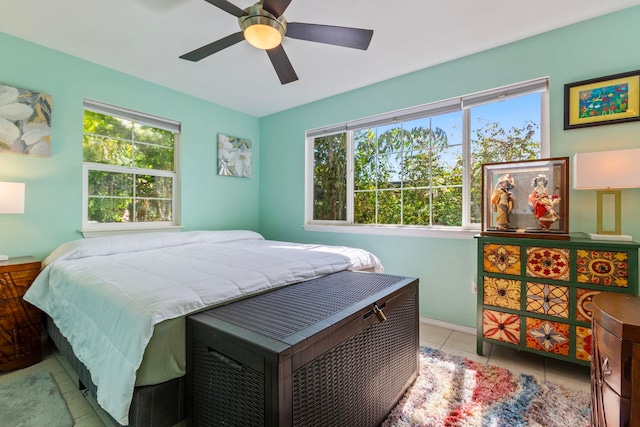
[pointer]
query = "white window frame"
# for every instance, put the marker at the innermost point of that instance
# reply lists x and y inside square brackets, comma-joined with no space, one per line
[90,229]
[462,103]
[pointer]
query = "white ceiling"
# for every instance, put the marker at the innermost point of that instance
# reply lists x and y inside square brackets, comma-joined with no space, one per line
[144,38]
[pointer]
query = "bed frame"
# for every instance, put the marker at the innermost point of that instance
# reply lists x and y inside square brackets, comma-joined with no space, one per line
[161,405]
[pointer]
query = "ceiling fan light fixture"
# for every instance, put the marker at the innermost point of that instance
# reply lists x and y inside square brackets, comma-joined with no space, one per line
[261,29]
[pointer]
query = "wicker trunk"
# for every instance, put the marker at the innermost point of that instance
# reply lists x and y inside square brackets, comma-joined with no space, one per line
[318,353]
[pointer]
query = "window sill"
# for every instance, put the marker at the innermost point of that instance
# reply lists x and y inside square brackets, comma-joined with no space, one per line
[381,230]
[111,231]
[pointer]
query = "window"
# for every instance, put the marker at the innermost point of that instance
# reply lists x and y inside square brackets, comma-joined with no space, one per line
[421,167]
[130,169]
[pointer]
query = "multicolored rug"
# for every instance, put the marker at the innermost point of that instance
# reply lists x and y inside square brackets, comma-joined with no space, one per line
[454,391]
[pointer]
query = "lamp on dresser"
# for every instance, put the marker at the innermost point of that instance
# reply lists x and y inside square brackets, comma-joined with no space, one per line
[11,201]
[608,172]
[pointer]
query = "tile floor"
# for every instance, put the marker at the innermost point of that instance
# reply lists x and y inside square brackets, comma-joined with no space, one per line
[86,413]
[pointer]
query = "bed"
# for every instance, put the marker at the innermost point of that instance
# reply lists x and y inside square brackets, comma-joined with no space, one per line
[116,305]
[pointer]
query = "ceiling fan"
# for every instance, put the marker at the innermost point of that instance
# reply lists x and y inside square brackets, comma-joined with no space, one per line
[263,26]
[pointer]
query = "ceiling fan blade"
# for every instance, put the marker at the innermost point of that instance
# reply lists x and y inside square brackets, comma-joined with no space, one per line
[283,66]
[275,7]
[211,48]
[356,38]
[228,7]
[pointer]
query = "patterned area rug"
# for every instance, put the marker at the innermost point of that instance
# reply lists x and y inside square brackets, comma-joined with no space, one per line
[454,391]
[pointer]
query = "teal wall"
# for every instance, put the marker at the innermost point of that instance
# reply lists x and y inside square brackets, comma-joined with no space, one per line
[272,201]
[53,205]
[446,268]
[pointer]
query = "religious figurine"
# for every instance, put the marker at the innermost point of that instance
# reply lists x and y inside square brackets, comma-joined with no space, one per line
[502,200]
[542,203]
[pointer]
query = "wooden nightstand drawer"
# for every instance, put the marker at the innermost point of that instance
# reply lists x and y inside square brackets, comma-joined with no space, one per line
[19,320]
[17,312]
[15,284]
[20,347]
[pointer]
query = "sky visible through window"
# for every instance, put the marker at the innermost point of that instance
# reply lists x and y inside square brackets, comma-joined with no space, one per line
[513,112]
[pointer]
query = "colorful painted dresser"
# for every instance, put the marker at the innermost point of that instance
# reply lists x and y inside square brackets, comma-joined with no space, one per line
[535,294]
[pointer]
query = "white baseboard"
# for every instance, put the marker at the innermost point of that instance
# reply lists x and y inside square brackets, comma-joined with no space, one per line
[448,325]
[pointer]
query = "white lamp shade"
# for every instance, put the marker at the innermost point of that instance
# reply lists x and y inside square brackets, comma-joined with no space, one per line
[606,169]
[11,197]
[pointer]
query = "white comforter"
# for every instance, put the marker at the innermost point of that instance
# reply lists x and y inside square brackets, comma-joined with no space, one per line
[106,294]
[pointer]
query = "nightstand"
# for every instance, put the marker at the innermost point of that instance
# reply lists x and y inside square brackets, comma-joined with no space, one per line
[19,321]
[615,365]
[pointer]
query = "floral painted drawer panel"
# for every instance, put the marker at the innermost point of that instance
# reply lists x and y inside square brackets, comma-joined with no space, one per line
[584,299]
[502,292]
[501,326]
[548,263]
[552,337]
[548,299]
[603,268]
[583,343]
[503,259]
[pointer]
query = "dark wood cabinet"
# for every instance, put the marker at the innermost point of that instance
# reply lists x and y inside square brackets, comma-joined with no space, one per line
[615,362]
[19,321]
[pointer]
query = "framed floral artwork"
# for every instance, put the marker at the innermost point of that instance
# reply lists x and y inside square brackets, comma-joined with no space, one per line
[602,101]
[527,198]
[234,156]
[25,121]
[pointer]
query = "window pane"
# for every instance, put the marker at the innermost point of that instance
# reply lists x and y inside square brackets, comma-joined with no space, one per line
[365,207]
[151,135]
[389,171]
[389,207]
[98,149]
[100,124]
[154,186]
[389,139]
[153,210]
[502,131]
[365,159]
[417,169]
[416,207]
[109,209]
[447,206]
[153,157]
[330,177]
[102,183]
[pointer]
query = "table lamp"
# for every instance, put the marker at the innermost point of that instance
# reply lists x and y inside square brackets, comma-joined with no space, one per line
[11,201]
[607,172]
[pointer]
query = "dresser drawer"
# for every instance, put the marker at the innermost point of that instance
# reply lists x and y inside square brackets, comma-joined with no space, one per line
[615,357]
[615,409]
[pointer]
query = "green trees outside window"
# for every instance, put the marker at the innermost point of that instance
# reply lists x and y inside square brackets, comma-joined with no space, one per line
[412,172]
[130,170]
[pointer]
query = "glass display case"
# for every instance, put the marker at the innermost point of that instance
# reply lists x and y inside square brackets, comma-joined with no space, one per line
[526,198]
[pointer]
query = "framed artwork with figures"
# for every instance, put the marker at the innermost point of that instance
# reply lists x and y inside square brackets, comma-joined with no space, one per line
[528,198]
